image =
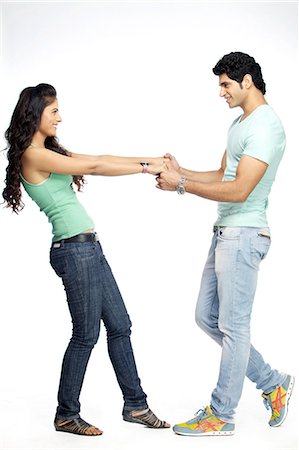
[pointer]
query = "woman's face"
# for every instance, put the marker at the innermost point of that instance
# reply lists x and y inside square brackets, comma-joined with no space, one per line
[49,120]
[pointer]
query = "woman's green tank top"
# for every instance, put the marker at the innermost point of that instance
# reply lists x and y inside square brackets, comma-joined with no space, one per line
[56,198]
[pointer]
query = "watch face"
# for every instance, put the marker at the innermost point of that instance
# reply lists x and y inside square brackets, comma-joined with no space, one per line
[181,190]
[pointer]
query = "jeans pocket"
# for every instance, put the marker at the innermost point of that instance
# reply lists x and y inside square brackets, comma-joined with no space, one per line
[58,262]
[229,234]
[260,245]
[85,251]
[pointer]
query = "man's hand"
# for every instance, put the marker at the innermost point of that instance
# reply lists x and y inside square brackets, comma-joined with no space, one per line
[173,164]
[168,179]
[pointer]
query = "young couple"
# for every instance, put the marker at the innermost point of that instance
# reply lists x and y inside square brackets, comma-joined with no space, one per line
[241,239]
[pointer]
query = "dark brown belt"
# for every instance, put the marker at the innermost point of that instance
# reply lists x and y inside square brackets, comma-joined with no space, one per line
[82,237]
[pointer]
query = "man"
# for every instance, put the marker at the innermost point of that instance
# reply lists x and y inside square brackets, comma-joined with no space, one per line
[255,146]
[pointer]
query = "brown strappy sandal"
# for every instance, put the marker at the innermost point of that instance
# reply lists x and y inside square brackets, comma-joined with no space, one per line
[75,426]
[148,418]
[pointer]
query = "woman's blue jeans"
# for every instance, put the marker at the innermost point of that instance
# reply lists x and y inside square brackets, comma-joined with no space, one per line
[92,295]
[223,311]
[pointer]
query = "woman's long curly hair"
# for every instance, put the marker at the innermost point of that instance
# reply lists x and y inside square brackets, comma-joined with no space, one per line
[24,123]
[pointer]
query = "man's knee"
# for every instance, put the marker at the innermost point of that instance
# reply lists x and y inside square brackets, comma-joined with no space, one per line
[202,320]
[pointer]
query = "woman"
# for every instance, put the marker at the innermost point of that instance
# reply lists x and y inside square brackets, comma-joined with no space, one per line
[47,172]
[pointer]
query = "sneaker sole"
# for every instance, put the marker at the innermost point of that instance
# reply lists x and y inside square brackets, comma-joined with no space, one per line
[288,396]
[206,433]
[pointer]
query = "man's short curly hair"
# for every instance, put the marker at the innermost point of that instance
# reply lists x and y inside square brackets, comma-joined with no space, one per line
[236,65]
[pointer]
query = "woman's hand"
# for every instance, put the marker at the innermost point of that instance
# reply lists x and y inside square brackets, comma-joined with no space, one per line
[157,167]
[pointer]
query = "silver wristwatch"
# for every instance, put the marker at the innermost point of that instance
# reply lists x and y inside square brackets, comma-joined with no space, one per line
[180,187]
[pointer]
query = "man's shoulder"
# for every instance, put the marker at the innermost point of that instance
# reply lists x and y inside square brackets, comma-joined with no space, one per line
[267,114]
[265,120]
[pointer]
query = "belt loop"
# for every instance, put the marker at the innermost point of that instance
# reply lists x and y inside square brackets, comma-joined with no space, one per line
[218,228]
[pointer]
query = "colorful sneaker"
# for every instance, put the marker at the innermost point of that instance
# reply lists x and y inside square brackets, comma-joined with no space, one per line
[278,401]
[205,423]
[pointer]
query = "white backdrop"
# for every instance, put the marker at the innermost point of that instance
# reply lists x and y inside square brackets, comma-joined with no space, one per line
[135,78]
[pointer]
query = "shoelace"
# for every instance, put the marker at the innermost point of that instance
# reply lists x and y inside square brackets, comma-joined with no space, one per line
[200,413]
[268,405]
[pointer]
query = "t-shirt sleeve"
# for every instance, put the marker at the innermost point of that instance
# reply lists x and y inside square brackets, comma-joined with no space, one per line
[264,141]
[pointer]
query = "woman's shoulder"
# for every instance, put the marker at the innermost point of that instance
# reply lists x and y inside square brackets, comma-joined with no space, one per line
[28,170]
[31,152]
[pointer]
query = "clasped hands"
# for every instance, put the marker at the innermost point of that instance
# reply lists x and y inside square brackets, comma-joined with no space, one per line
[168,171]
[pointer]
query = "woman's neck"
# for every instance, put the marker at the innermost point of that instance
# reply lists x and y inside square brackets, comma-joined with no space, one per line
[38,140]
[37,145]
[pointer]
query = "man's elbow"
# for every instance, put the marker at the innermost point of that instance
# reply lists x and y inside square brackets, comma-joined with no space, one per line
[242,196]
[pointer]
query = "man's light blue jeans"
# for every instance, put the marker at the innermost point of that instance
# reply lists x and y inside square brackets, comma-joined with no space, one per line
[223,311]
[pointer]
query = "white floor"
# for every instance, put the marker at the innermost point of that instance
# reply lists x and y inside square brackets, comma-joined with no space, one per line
[36,433]
[26,423]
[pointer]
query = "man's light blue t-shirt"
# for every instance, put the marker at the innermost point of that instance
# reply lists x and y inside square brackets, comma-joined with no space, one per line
[261,136]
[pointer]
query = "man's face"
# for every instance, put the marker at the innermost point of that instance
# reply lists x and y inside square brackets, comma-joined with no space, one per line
[231,91]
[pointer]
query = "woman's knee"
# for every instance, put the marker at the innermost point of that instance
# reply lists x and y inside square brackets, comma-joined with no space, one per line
[85,338]
[120,328]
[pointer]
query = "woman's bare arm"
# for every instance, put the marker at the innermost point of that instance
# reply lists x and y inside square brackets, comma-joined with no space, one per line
[47,161]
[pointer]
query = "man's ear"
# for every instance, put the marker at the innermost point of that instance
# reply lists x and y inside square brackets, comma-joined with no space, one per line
[247,81]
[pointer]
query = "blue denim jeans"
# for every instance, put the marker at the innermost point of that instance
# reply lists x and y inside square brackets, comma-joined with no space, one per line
[92,295]
[223,311]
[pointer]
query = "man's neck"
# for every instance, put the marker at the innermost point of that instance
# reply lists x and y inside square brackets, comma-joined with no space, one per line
[251,104]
